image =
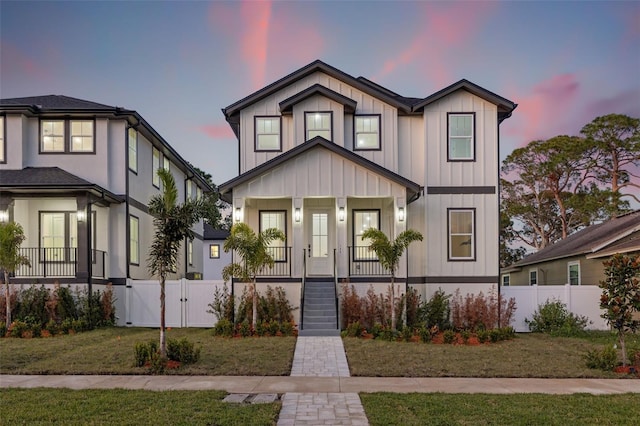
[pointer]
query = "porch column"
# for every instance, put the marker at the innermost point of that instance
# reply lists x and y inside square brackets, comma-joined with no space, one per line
[341,236]
[6,208]
[82,254]
[297,242]
[400,225]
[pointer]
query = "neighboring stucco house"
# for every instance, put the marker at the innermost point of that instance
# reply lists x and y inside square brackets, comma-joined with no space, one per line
[78,175]
[577,259]
[323,155]
[213,254]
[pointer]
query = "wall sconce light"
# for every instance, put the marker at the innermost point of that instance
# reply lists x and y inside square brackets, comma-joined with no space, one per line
[4,216]
[341,214]
[238,214]
[82,216]
[296,214]
[401,214]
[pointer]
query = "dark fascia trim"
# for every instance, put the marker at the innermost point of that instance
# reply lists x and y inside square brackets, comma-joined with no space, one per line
[277,280]
[505,106]
[435,190]
[99,195]
[455,280]
[138,205]
[286,106]
[309,69]
[226,188]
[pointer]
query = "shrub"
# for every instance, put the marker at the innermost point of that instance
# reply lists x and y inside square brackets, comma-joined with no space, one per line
[436,311]
[407,333]
[66,306]
[244,329]
[3,328]
[223,304]
[66,325]
[182,351]
[144,352]
[389,334]
[354,329]
[478,311]
[18,328]
[287,328]
[466,334]
[413,302]
[32,304]
[223,327]
[350,305]
[376,330]
[425,335]
[605,359]
[52,327]
[553,317]
[483,336]
[449,336]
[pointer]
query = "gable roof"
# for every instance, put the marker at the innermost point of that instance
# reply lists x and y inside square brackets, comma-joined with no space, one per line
[56,102]
[592,239]
[51,179]
[214,234]
[286,106]
[413,189]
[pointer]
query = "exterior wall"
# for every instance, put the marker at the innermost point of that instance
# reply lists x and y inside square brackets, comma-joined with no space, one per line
[212,268]
[14,141]
[556,272]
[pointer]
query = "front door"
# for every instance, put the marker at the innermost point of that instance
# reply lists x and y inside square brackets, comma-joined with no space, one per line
[319,234]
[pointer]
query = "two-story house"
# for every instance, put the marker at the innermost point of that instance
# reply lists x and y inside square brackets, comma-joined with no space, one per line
[324,155]
[78,176]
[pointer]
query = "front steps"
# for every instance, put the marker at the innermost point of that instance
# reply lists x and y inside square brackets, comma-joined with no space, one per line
[319,317]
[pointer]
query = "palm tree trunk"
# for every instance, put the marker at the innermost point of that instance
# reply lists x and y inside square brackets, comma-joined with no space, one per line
[623,348]
[7,296]
[163,342]
[393,302]
[254,312]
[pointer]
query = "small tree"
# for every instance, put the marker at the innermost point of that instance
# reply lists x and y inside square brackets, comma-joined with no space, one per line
[254,253]
[621,296]
[11,237]
[389,254]
[172,223]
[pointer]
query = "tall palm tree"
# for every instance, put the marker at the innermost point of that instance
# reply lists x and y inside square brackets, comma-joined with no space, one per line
[389,254]
[172,223]
[254,253]
[11,237]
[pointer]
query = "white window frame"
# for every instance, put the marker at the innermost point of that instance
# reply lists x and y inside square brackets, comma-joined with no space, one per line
[451,139]
[364,219]
[3,152]
[506,280]
[133,150]
[537,276]
[451,236]
[155,166]
[134,240]
[371,124]
[569,265]
[267,126]
[214,251]
[312,131]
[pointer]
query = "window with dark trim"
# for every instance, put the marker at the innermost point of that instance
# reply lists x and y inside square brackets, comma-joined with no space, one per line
[267,133]
[318,124]
[133,150]
[461,230]
[533,277]
[214,251]
[461,136]
[3,155]
[573,273]
[59,234]
[155,167]
[506,280]
[275,219]
[54,140]
[134,240]
[367,129]
[363,220]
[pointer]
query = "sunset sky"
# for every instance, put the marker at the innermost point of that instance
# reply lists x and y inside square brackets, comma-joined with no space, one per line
[179,63]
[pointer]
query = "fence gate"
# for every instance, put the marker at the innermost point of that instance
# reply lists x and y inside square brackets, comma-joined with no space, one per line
[186,303]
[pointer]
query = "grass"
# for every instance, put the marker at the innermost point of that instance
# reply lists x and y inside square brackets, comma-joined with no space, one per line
[129,407]
[528,355]
[518,409]
[111,351]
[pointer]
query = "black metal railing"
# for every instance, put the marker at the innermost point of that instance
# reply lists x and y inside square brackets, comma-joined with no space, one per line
[58,262]
[281,265]
[364,261]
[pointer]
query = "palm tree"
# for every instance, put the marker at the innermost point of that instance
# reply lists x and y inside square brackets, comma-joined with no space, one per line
[389,254]
[253,249]
[11,237]
[172,223]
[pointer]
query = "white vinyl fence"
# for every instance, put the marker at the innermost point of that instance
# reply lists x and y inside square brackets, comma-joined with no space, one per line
[581,300]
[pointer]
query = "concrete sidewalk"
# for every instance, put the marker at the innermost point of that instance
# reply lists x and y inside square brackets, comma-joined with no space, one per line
[284,384]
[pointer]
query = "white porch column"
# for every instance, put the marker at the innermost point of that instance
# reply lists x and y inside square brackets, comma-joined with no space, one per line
[400,225]
[342,224]
[297,242]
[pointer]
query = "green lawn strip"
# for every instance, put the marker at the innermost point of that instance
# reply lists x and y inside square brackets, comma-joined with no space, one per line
[129,407]
[490,409]
[111,351]
[528,355]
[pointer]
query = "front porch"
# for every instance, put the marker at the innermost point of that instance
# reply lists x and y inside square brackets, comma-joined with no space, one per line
[59,262]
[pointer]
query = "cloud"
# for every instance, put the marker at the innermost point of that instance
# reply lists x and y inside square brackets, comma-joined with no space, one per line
[217,131]
[18,64]
[626,102]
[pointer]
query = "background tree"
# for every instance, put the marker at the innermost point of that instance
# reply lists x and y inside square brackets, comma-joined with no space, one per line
[11,237]
[614,142]
[253,250]
[389,254]
[621,296]
[509,253]
[216,212]
[172,223]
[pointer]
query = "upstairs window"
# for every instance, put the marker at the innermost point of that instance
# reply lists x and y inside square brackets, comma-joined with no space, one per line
[2,146]
[461,137]
[268,134]
[81,136]
[134,240]
[198,193]
[155,167]
[133,150]
[573,273]
[54,139]
[189,189]
[462,234]
[318,124]
[52,135]
[166,164]
[367,132]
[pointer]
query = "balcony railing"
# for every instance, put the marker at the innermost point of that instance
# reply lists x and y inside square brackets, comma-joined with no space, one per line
[364,261]
[58,262]
[281,265]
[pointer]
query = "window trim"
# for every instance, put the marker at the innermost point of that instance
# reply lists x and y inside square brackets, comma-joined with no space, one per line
[130,260]
[355,132]
[210,252]
[473,138]
[66,136]
[260,229]
[130,132]
[3,139]
[354,234]
[474,228]
[535,271]
[569,265]
[508,279]
[255,133]
[67,231]
[155,179]
[306,132]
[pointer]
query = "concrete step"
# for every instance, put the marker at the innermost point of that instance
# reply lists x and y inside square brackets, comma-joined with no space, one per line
[318,326]
[320,320]
[323,333]
[310,312]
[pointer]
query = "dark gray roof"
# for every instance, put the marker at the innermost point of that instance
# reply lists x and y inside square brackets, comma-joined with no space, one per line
[286,106]
[50,179]
[214,234]
[55,102]
[413,189]
[591,239]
